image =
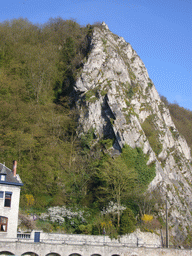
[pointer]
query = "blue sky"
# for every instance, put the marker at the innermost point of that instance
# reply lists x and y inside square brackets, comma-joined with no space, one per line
[160,31]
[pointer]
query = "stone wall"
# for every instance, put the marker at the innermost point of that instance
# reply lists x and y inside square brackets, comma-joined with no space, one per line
[136,238]
[19,248]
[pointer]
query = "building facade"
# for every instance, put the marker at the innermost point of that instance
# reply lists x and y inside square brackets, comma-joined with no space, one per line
[10,184]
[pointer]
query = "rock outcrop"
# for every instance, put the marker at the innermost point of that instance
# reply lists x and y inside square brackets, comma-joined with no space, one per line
[118,100]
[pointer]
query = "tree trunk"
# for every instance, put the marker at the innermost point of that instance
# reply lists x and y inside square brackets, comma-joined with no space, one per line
[118,207]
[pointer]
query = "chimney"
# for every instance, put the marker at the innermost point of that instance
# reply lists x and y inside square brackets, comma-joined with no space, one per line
[14,168]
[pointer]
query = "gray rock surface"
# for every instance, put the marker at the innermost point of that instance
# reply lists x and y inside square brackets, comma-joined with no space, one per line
[115,97]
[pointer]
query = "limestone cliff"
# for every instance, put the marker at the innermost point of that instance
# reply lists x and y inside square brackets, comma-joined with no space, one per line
[117,98]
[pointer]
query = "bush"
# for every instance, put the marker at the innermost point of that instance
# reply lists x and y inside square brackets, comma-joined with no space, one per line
[150,225]
[147,218]
[152,134]
[128,222]
[87,139]
[45,226]
[135,158]
[86,229]
[26,222]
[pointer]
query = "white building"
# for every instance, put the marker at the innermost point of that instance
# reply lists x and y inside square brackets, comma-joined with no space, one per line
[10,184]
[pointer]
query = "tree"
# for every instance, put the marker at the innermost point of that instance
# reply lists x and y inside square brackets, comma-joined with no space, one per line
[128,222]
[135,158]
[120,181]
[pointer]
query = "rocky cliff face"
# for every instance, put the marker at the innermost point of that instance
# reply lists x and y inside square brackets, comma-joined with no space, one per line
[117,98]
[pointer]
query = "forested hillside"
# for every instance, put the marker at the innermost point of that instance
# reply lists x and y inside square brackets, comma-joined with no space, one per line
[39,65]
[37,69]
[182,118]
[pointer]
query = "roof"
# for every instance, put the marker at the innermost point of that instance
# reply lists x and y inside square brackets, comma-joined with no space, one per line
[10,179]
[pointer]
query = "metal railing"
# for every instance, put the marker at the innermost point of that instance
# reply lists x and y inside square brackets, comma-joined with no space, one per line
[26,238]
[23,235]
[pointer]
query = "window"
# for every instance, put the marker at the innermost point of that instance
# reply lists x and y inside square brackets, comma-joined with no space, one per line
[8,199]
[3,224]
[1,194]
[2,177]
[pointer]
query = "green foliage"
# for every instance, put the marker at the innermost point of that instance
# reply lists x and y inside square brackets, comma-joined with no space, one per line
[86,229]
[129,93]
[161,108]
[38,68]
[177,158]
[46,226]
[91,95]
[107,143]
[182,119]
[86,139]
[131,74]
[174,132]
[152,134]
[132,59]
[103,92]
[130,90]
[127,103]
[119,177]
[150,85]
[104,41]
[135,158]
[128,222]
